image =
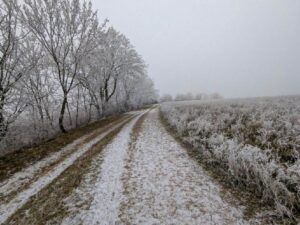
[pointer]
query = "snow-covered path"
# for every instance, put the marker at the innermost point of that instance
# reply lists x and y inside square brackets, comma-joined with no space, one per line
[143,176]
[22,178]
[8,209]
[149,179]
[107,190]
[166,187]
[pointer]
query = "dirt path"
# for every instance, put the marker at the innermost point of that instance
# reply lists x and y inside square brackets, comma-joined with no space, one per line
[142,176]
[148,178]
[78,147]
[22,179]
[166,187]
[103,194]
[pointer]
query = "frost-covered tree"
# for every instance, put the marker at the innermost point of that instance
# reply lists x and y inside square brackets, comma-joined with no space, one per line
[60,69]
[40,86]
[66,29]
[215,96]
[166,98]
[184,97]
[116,59]
[145,93]
[201,96]
[114,69]
[13,64]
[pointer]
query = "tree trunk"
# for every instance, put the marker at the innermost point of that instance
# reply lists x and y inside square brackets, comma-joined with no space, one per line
[3,125]
[103,108]
[87,109]
[62,114]
[70,116]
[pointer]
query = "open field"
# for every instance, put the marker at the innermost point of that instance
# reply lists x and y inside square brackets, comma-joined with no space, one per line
[255,142]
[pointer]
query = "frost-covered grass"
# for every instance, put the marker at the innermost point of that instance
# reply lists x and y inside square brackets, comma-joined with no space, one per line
[256,142]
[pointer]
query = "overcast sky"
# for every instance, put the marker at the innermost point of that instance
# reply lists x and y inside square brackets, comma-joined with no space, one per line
[239,48]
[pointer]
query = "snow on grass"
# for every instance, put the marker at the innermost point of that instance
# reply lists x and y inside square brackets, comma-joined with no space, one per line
[166,187]
[107,190]
[256,142]
[20,179]
[7,210]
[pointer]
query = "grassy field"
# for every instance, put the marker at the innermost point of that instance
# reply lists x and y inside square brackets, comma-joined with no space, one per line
[255,141]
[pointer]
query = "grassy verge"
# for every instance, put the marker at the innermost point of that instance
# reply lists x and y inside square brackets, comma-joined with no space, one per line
[47,206]
[16,161]
[252,203]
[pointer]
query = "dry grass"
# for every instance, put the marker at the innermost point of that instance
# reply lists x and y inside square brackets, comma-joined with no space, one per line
[47,206]
[232,194]
[16,161]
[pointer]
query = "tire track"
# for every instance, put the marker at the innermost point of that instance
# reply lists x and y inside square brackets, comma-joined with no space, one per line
[7,210]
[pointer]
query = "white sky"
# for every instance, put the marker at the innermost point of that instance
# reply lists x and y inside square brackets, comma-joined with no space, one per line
[238,48]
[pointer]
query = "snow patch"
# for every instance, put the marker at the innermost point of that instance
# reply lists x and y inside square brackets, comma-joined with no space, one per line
[167,187]
[7,210]
[107,192]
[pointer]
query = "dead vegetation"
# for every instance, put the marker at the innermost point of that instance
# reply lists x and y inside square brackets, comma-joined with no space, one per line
[255,208]
[227,137]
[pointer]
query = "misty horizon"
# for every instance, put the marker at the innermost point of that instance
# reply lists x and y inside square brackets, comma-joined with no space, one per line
[235,48]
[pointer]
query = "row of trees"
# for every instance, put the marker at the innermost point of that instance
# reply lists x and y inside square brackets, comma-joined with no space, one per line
[61,68]
[189,96]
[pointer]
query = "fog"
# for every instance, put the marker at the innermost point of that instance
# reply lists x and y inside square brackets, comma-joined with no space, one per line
[237,48]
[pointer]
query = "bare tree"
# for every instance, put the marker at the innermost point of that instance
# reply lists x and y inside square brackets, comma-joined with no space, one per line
[40,85]
[215,96]
[144,93]
[66,29]
[113,61]
[166,98]
[54,53]
[13,65]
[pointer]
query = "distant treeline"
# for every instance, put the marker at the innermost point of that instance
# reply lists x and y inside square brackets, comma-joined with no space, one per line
[189,96]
